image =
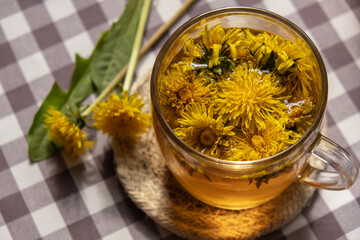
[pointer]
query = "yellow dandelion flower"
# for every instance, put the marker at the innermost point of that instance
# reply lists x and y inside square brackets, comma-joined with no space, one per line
[215,54]
[240,51]
[265,143]
[200,130]
[273,51]
[214,36]
[192,50]
[266,46]
[233,36]
[218,35]
[217,40]
[301,82]
[240,150]
[213,49]
[250,98]
[301,54]
[298,112]
[65,133]
[180,87]
[121,117]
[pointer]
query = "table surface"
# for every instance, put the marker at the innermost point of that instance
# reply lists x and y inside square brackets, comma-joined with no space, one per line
[58,199]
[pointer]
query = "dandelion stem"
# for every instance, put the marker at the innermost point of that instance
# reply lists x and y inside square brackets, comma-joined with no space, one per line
[158,34]
[165,27]
[137,44]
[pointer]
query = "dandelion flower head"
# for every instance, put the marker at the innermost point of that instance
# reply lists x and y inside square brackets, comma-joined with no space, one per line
[180,87]
[290,58]
[249,98]
[121,117]
[202,131]
[214,49]
[265,143]
[65,133]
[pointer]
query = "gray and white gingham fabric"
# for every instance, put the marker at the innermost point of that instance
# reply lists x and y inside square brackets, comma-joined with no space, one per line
[60,199]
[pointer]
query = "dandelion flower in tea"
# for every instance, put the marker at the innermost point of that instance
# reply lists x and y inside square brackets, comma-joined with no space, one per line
[202,131]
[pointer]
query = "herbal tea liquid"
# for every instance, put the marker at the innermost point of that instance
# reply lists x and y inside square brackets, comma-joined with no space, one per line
[222,191]
[232,193]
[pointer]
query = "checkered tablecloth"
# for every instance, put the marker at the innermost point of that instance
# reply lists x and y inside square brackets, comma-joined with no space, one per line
[60,199]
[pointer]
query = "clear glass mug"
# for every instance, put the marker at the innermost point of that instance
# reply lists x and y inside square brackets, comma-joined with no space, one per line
[246,184]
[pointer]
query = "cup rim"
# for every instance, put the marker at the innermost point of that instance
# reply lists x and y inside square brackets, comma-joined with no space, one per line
[197,19]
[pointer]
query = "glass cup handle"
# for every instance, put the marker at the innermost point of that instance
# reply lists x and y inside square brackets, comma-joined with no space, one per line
[330,167]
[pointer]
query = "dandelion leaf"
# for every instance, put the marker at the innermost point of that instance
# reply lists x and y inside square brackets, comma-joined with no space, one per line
[39,143]
[114,52]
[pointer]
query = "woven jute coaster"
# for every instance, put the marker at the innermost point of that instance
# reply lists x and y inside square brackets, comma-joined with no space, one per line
[145,177]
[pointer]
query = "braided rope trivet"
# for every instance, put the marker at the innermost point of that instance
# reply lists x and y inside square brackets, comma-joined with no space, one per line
[150,185]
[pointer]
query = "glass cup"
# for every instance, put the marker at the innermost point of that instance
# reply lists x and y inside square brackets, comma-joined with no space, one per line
[246,184]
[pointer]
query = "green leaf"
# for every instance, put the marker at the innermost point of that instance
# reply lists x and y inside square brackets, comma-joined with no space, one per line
[39,143]
[81,85]
[114,52]
[110,55]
